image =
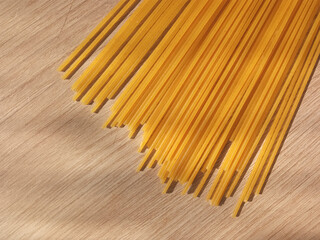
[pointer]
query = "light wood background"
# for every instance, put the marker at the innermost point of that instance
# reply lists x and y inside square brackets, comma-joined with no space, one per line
[63,177]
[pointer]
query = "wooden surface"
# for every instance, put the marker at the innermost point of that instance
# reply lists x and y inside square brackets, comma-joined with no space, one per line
[63,177]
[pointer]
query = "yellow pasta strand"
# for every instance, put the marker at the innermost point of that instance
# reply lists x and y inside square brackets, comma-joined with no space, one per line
[130,58]
[93,35]
[100,38]
[123,36]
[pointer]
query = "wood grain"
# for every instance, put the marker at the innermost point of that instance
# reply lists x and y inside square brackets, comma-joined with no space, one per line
[63,177]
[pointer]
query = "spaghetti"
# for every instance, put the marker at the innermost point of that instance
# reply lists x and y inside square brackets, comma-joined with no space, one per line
[200,78]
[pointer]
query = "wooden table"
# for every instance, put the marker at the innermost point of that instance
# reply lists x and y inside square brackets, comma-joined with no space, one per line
[63,177]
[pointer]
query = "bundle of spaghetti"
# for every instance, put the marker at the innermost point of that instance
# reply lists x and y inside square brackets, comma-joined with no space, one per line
[203,78]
